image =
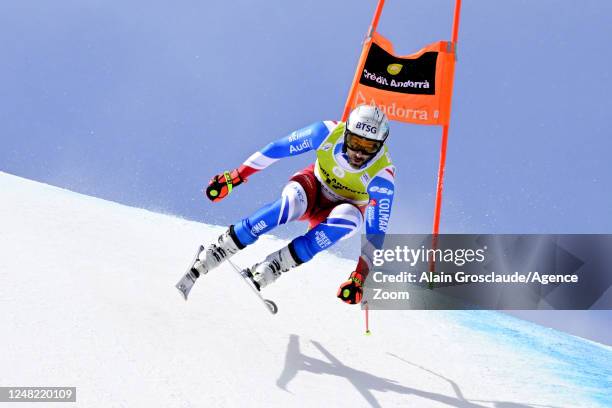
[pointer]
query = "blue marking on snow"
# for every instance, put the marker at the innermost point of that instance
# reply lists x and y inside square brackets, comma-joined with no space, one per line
[585,364]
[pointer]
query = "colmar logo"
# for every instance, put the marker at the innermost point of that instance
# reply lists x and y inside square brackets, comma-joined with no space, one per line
[394,69]
[366,127]
[384,210]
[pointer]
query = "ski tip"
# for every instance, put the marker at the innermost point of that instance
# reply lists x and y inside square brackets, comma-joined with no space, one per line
[182,290]
[271,306]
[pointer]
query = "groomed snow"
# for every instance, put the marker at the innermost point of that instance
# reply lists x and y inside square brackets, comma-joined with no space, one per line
[87,299]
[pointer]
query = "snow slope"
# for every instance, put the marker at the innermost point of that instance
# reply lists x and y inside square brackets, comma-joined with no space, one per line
[87,299]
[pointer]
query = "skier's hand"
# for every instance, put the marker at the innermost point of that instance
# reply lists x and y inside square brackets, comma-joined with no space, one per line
[222,184]
[351,291]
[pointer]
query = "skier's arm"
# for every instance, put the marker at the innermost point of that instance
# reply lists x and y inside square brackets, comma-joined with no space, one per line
[297,142]
[381,191]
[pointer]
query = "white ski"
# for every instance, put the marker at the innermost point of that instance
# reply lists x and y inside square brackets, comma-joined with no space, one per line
[188,280]
[246,276]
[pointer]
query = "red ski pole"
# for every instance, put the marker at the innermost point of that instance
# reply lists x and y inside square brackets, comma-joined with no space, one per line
[367,319]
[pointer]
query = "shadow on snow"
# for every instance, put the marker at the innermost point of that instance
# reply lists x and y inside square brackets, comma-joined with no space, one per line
[365,383]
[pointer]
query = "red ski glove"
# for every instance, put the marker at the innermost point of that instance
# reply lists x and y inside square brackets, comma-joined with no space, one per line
[222,184]
[351,291]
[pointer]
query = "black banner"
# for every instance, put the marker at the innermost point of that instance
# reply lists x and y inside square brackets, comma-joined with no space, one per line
[408,76]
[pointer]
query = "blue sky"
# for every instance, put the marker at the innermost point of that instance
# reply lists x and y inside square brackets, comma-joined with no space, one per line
[142,102]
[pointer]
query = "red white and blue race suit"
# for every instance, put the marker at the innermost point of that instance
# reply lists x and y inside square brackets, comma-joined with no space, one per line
[330,194]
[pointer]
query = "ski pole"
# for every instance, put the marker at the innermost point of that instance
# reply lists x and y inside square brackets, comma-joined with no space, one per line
[367,319]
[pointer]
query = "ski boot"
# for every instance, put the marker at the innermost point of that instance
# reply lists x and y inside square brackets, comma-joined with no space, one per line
[208,258]
[264,273]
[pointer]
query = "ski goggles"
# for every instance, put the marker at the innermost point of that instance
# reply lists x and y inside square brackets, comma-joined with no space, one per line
[361,144]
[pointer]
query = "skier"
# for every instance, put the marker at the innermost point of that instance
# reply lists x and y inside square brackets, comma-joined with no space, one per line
[353,175]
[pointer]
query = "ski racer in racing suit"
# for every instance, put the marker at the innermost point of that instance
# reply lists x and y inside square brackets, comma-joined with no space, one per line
[353,176]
